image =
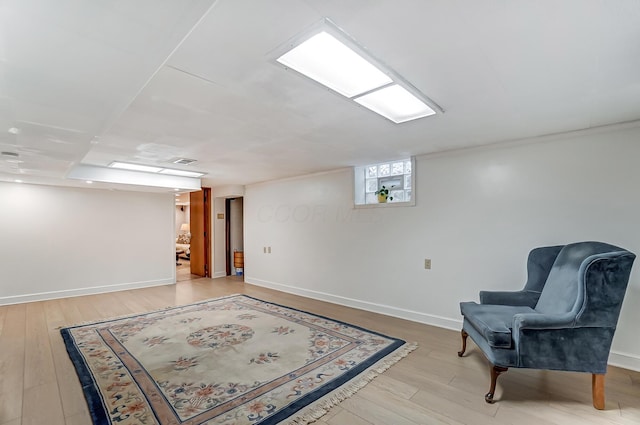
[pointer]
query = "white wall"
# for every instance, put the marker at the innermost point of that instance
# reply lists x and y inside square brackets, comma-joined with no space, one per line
[477,215]
[60,241]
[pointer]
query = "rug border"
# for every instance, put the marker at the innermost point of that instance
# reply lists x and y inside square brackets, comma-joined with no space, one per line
[307,412]
[348,385]
[97,409]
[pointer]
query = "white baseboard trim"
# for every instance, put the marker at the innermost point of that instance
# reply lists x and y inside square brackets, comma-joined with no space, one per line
[624,360]
[66,293]
[414,316]
[616,358]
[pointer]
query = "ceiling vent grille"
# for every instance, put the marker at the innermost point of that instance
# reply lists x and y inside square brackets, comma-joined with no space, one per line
[184,161]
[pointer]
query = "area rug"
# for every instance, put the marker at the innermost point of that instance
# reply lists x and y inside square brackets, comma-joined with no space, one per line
[235,360]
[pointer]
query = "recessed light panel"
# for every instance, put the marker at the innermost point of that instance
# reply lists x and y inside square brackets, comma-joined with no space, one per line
[332,58]
[328,61]
[134,167]
[395,103]
[181,173]
[132,177]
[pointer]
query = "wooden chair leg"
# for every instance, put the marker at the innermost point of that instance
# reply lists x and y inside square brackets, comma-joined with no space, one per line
[464,343]
[495,372]
[597,389]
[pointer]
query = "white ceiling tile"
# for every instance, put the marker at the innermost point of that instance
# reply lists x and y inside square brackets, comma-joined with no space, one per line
[155,80]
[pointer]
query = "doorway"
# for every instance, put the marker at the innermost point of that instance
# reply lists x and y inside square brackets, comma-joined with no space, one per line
[183,237]
[234,236]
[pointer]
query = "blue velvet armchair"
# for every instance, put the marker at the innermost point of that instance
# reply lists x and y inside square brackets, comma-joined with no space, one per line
[563,319]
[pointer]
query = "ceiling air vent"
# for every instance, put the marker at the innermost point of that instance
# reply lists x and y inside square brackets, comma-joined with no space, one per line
[184,161]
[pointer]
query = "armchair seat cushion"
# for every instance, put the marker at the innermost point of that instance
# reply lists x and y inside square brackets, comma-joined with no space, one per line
[493,322]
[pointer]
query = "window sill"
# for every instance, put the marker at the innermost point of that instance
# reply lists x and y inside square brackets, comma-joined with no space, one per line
[411,203]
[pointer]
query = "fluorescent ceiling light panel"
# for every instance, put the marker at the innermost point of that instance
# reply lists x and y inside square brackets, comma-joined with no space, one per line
[330,62]
[174,172]
[152,169]
[134,167]
[339,63]
[132,177]
[395,103]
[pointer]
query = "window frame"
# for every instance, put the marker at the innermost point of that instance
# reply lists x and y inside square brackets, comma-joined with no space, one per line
[360,181]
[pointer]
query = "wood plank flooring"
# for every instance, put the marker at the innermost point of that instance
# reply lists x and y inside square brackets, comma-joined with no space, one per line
[38,384]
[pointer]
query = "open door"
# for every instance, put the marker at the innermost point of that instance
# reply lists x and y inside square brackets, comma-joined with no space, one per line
[200,217]
[234,235]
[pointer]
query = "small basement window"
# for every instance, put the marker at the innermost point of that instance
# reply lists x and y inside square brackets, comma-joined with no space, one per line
[392,180]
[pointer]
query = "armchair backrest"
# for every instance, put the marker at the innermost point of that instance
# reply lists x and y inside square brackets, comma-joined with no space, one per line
[606,283]
[588,279]
[539,265]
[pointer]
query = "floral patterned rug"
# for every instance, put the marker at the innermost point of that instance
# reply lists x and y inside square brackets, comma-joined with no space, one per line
[235,360]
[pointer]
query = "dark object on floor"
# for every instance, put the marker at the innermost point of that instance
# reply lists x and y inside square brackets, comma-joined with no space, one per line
[563,319]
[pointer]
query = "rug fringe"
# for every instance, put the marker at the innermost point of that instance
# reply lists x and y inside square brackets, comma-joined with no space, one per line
[316,412]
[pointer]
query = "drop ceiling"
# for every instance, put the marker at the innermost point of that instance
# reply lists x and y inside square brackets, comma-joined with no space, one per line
[88,83]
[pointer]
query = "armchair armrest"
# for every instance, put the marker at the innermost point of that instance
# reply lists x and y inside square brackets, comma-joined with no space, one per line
[515,298]
[542,321]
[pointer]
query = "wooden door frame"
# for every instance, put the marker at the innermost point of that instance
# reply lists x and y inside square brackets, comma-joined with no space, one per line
[207,231]
[227,234]
[205,220]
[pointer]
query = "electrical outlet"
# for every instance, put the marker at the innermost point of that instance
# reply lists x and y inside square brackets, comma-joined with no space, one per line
[264,249]
[269,249]
[427,263]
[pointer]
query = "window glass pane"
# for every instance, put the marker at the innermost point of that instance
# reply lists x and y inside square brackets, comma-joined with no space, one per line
[394,175]
[391,182]
[397,168]
[384,170]
[372,185]
[398,195]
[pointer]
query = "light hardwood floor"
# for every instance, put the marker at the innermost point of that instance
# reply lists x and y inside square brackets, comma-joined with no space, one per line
[38,384]
[183,270]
